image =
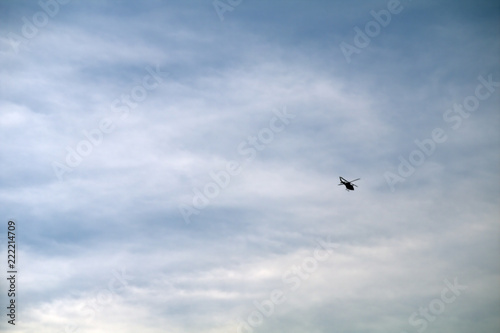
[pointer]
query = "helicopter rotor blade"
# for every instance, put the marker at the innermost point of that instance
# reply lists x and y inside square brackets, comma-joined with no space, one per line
[354,180]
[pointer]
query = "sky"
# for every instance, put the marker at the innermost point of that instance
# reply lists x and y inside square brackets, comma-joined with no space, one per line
[173,166]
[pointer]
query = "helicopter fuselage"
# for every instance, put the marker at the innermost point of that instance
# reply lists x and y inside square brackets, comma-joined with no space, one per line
[348,184]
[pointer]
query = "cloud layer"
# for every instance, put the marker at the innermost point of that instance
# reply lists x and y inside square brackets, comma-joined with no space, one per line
[114,117]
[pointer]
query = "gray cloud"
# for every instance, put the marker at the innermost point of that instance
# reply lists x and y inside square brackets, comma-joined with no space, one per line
[117,212]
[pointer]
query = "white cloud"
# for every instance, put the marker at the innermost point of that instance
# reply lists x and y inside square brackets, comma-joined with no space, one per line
[118,209]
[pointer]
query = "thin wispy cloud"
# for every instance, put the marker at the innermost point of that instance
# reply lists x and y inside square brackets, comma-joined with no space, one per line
[174,166]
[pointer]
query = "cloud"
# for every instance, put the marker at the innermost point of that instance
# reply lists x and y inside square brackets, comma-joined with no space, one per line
[105,247]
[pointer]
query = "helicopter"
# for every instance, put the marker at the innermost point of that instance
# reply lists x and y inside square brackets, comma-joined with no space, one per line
[349,186]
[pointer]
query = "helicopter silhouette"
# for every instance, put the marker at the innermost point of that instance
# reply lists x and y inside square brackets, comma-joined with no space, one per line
[349,186]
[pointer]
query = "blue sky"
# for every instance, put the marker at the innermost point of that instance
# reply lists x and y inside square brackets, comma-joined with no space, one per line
[172,168]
